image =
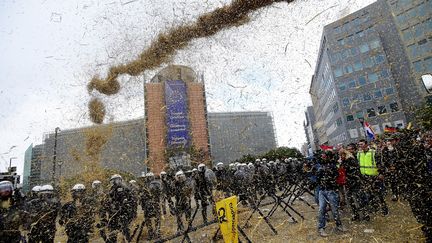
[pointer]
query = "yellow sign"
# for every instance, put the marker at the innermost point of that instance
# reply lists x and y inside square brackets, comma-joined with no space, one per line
[409,126]
[228,219]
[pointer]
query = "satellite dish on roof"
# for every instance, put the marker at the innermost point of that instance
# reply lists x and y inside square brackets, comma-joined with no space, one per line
[427,82]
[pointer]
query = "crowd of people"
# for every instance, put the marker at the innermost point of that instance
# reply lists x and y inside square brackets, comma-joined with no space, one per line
[355,175]
[361,175]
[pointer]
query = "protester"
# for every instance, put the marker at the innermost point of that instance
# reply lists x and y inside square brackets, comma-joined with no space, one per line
[328,193]
[373,176]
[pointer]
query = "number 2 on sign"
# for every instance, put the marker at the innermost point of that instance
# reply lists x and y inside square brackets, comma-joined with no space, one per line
[222,215]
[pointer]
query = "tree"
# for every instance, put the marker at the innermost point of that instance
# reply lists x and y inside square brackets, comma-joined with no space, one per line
[282,153]
[424,116]
[278,153]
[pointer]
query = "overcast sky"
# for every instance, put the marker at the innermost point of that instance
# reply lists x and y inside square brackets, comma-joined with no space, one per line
[49,50]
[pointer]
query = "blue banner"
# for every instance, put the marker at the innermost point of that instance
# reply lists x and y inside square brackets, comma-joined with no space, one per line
[177,114]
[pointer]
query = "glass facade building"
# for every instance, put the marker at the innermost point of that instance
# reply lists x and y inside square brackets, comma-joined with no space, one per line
[363,72]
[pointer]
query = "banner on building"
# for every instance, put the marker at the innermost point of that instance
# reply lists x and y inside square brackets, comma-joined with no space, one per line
[228,219]
[177,114]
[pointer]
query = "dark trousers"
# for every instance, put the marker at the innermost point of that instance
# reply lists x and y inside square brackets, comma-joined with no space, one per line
[374,192]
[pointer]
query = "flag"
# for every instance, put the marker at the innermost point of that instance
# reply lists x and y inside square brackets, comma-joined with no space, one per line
[326,147]
[390,129]
[228,219]
[368,130]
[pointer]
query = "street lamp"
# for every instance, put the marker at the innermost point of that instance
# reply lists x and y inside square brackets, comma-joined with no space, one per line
[10,164]
[57,129]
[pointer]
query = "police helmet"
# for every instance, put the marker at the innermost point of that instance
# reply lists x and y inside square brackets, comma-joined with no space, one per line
[180,176]
[78,187]
[36,189]
[115,176]
[6,189]
[132,181]
[47,189]
[201,167]
[96,183]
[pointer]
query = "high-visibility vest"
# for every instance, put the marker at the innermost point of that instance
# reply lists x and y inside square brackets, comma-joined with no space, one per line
[367,163]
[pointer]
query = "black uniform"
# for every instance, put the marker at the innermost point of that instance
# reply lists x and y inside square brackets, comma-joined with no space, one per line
[77,217]
[116,212]
[183,193]
[150,202]
[43,213]
[11,218]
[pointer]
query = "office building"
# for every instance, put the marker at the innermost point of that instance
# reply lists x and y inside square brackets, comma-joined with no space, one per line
[234,134]
[362,72]
[310,131]
[124,150]
[413,20]
[176,119]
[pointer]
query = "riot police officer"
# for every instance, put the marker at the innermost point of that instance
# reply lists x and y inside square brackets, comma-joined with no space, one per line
[10,216]
[116,212]
[150,203]
[77,216]
[44,216]
[167,191]
[182,193]
[205,180]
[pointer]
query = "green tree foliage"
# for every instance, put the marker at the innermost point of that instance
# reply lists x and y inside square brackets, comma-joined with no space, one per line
[278,153]
[424,116]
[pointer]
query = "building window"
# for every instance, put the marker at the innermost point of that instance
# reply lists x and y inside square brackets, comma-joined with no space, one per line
[362,80]
[374,44]
[339,122]
[348,69]
[364,48]
[351,84]
[367,96]
[356,98]
[419,30]
[359,115]
[407,34]
[399,124]
[378,94]
[382,109]
[345,54]
[371,112]
[335,57]
[428,64]
[389,91]
[350,118]
[412,50]
[338,72]
[368,62]
[360,33]
[345,102]
[353,133]
[354,51]
[342,87]
[358,66]
[379,59]
[335,108]
[385,73]
[418,67]
[372,77]
[394,107]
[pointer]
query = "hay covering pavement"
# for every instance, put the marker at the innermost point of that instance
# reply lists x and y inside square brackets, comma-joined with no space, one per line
[399,226]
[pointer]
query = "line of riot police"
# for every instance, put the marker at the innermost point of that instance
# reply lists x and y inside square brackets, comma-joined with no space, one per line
[112,212]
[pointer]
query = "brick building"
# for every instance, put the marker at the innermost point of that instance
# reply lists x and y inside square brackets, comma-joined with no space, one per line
[175,117]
